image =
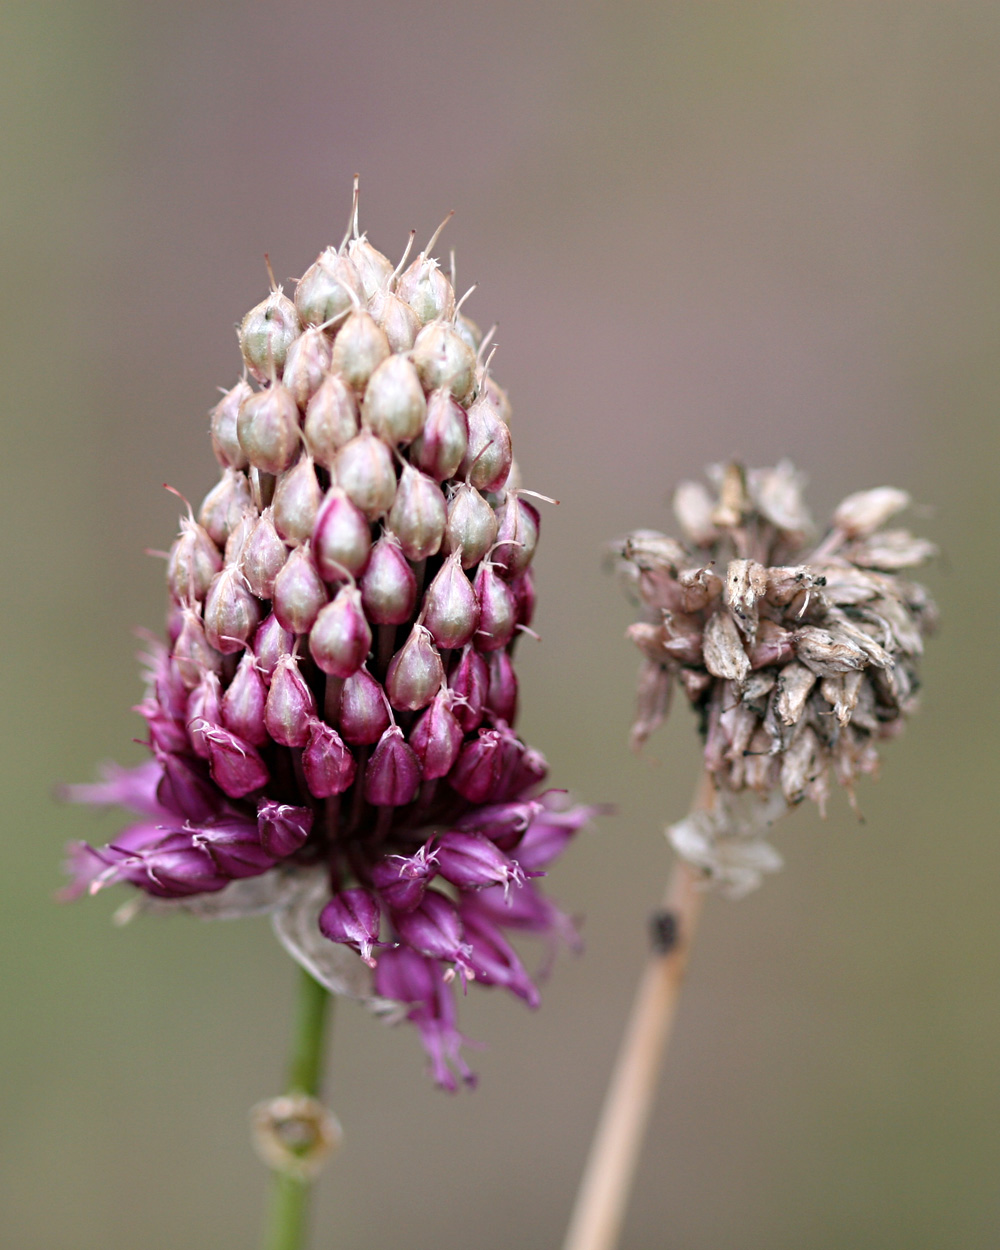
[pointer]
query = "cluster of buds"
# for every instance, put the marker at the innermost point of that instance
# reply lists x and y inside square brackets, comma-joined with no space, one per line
[797,661]
[337,696]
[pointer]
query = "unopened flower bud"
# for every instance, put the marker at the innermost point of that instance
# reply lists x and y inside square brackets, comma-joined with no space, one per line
[331,419]
[232,613]
[394,406]
[498,611]
[341,638]
[363,717]
[225,442]
[290,705]
[436,738]
[298,592]
[193,653]
[489,454]
[224,505]
[402,880]
[267,332]
[270,643]
[297,497]
[324,290]
[523,590]
[282,828]
[427,290]
[329,766]
[364,470]
[862,513]
[450,608]
[358,350]
[238,536]
[353,917]
[501,697]
[306,365]
[194,561]
[341,539]
[373,269]
[443,358]
[442,444]
[418,514]
[415,672]
[479,767]
[392,777]
[517,535]
[204,709]
[236,767]
[263,556]
[388,587]
[243,703]
[469,683]
[268,428]
[399,322]
[471,525]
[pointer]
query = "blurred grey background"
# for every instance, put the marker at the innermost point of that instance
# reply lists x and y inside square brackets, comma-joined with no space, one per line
[704,230]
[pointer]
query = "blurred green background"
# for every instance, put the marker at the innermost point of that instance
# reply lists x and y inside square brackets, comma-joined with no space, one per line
[704,230]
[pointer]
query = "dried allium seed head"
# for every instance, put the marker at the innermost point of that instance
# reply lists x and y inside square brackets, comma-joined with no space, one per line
[797,661]
[331,720]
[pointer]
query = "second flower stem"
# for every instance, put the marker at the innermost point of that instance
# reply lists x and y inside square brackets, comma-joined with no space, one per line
[607,1179]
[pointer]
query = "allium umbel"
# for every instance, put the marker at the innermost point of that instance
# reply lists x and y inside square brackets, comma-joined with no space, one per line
[331,719]
[797,659]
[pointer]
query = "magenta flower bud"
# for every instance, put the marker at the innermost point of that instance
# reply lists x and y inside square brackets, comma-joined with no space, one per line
[243,704]
[324,291]
[450,608]
[329,766]
[231,612]
[266,334]
[394,407]
[434,928]
[443,358]
[529,767]
[234,848]
[358,350]
[353,917]
[167,679]
[494,960]
[331,419]
[290,705]
[204,705]
[364,469]
[225,442]
[194,561]
[224,504]
[263,556]
[498,611]
[436,738]
[402,880]
[479,767]
[471,862]
[418,514]
[193,653]
[306,364]
[270,642]
[298,592]
[236,767]
[282,828]
[471,525]
[341,637]
[297,498]
[164,863]
[504,824]
[392,777]
[184,789]
[489,455]
[517,535]
[388,587]
[268,428]
[415,672]
[501,695]
[441,446]
[363,716]
[341,539]
[523,590]
[469,683]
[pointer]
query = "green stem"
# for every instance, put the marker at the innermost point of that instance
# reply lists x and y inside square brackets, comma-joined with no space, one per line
[286,1222]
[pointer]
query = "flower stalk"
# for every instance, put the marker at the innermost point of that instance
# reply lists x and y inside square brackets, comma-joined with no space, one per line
[614,1154]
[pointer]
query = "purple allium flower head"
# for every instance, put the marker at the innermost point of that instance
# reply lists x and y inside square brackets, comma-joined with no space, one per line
[331,721]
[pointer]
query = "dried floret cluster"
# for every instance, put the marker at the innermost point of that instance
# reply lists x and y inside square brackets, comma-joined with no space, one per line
[338,692]
[797,660]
